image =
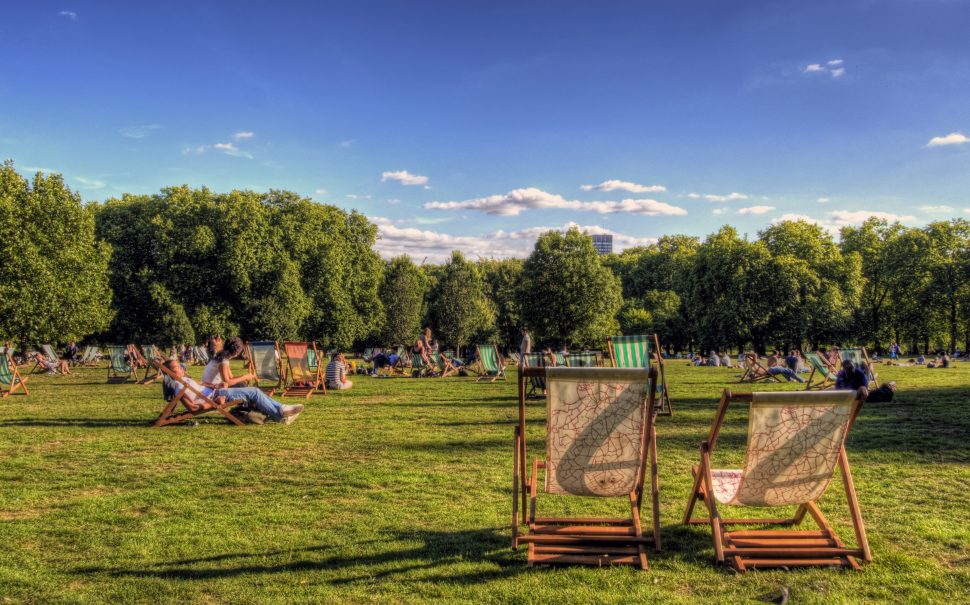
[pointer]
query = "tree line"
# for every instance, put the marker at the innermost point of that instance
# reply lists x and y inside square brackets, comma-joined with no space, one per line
[184,263]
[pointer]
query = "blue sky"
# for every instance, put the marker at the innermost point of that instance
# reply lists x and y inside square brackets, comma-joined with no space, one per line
[477,125]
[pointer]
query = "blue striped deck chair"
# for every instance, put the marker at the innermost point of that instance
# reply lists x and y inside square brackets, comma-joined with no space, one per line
[119,370]
[490,363]
[634,352]
[10,378]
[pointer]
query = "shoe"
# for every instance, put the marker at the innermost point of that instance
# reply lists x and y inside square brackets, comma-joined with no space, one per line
[256,418]
[292,410]
[289,419]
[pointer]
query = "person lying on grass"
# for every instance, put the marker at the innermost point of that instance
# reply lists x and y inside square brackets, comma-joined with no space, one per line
[254,398]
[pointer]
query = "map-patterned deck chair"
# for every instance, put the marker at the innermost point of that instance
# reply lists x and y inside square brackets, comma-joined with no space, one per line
[537,381]
[634,352]
[822,376]
[601,442]
[150,354]
[858,357]
[490,363]
[795,441]
[299,380]
[10,378]
[755,372]
[586,359]
[266,363]
[119,370]
[169,415]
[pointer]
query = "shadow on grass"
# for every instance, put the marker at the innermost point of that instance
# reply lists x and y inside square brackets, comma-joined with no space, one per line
[76,422]
[434,550]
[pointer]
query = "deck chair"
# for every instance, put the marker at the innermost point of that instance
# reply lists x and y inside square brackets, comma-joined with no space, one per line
[600,434]
[755,372]
[443,367]
[52,358]
[169,415]
[858,357]
[89,357]
[586,359]
[795,441]
[119,370]
[266,363]
[825,374]
[201,356]
[10,378]
[514,359]
[420,369]
[316,362]
[299,380]
[537,382]
[634,352]
[150,354]
[490,362]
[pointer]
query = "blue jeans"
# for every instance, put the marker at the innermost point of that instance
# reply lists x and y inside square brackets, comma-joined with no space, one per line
[255,398]
[787,373]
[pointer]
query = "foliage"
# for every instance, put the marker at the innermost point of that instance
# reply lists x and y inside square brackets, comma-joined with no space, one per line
[402,293]
[501,284]
[53,277]
[459,309]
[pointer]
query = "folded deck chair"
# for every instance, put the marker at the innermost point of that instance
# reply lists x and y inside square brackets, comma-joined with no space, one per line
[586,359]
[169,416]
[634,352]
[490,362]
[599,436]
[795,441]
[266,363]
[10,378]
[860,359]
[822,376]
[299,380]
[119,370]
[754,371]
[536,381]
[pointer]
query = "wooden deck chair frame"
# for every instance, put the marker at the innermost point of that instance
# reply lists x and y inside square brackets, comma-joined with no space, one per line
[119,369]
[149,354]
[755,372]
[169,415]
[618,360]
[10,378]
[857,355]
[762,548]
[445,368]
[537,380]
[277,364]
[497,370]
[597,541]
[293,366]
[826,373]
[89,357]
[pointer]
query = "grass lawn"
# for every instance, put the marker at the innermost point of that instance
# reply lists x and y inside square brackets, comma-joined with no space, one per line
[400,491]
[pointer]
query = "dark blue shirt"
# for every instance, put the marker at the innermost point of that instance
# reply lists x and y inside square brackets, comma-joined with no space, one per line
[792,362]
[851,380]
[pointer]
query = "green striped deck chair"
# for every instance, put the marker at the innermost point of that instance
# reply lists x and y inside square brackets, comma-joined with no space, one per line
[152,356]
[90,356]
[119,370]
[826,375]
[490,362]
[419,368]
[634,352]
[858,357]
[265,362]
[10,378]
[586,359]
[537,384]
[560,359]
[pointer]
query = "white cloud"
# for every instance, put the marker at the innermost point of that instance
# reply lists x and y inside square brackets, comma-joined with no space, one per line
[731,197]
[966,210]
[942,209]
[404,177]
[837,219]
[613,185]
[756,210]
[516,201]
[835,62]
[197,150]
[823,200]
[346,143]
[355,196]
[139,132]
[243,134]
[718,211]
[793,217]
[838,73]
[231,149]
[68,14]
[954,138]
[436,246]
[87,183]
[814,67]
[694,196]
[393,201]
[320,192]
[36,169]
[833,67]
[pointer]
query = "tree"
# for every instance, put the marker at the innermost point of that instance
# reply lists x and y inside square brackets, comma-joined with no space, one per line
[458,309]
[501,286]
[949,263]
[402,293]
[53,280]
[566,295]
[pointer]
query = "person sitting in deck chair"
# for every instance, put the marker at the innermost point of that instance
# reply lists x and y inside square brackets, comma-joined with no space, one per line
[337,373]
[256,399]
[851,378]
[218,374]
[774,367]
[52,367]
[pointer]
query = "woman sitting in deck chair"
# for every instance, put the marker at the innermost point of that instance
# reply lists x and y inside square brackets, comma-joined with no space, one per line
[218,374]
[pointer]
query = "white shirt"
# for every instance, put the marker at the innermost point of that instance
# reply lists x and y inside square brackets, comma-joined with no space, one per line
[212,375]
[190,396]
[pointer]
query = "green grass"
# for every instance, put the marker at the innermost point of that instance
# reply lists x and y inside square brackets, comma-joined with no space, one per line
[400,491]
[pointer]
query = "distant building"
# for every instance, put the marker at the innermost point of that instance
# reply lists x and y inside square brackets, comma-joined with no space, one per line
[603,243]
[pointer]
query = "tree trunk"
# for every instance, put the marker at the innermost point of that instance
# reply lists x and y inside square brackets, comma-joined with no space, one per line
[953,325]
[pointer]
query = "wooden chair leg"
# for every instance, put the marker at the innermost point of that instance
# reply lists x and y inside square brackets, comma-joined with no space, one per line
[857,524]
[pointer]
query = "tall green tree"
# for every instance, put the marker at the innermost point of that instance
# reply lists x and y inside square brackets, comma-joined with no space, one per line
[501,287]
[566,295]
[949,263]
[459,309]
[402,293]
[53,278]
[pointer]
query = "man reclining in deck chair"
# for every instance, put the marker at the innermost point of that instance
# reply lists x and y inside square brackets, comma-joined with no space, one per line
[256,399]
